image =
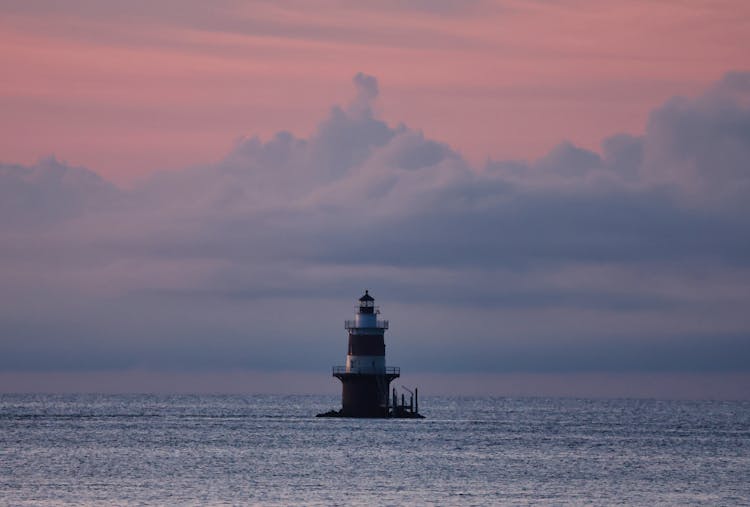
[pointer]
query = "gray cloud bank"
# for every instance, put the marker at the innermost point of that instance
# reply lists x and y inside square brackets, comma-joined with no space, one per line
[633,258]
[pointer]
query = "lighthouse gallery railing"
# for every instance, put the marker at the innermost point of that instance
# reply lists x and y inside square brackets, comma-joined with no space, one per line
[389,370]
[352,324]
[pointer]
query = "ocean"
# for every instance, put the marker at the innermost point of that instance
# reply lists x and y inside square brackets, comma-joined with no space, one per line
[271,450]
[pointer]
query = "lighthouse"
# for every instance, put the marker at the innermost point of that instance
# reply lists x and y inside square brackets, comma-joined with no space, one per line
[365,378]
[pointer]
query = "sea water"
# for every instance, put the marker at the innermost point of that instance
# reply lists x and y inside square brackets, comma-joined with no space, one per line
[271,450]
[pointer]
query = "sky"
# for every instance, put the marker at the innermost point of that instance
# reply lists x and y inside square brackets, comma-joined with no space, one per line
[545,198]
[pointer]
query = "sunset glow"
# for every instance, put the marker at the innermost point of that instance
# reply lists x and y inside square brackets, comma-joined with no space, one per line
[126,90]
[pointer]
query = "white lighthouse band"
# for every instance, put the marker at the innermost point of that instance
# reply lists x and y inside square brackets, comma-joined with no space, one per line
[365,364]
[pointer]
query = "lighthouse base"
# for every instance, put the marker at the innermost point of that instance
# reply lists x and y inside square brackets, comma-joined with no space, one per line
[392,414]
[365,395]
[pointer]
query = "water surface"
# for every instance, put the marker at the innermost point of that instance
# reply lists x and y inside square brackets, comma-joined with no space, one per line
[270,450]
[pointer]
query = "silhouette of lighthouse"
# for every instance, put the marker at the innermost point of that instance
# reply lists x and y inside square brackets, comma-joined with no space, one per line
[365,379]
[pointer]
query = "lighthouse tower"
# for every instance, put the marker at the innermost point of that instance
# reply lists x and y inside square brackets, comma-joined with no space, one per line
[365,379]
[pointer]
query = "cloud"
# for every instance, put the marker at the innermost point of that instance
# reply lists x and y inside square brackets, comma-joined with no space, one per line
[576,260]
[367,89]
[49,192]
[703,145]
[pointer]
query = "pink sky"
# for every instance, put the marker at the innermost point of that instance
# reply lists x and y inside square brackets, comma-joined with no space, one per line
[125,90]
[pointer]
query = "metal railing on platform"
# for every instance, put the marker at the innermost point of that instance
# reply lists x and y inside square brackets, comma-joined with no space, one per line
[352,324]
[389,370]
